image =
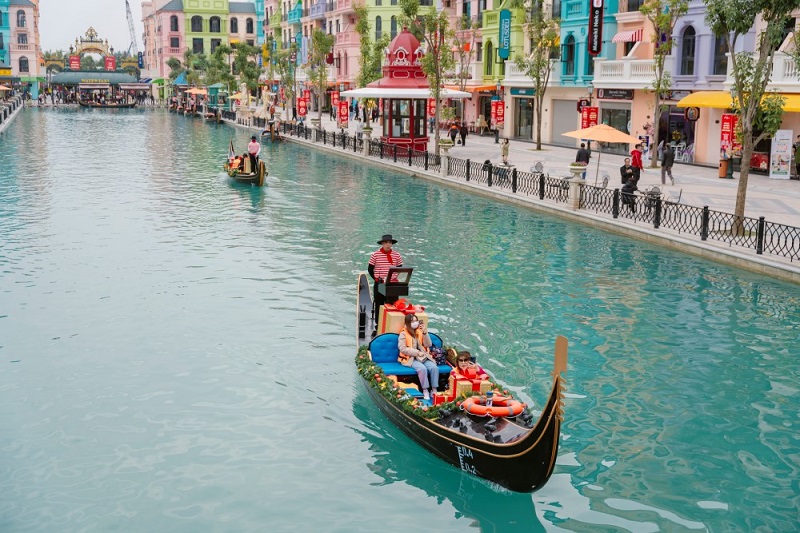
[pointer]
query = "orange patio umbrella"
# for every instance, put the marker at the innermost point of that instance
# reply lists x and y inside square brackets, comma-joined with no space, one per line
[602,133]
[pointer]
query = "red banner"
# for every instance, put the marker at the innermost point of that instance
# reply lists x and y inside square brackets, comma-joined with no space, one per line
[302,107]
[283,95]
[380,106]
[589,116]
[344,113]
[307,94]
[111,63]
[74,62]
[431,107]
[727,134]
[500,113]
[335,98]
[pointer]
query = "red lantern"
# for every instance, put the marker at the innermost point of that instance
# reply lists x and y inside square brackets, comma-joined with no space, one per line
[302,107]
[344,113]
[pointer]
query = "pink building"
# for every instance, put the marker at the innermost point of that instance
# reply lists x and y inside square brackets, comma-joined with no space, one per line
[163,35]
[25,48]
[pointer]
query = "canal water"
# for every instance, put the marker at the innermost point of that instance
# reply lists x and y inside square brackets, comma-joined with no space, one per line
[176,350]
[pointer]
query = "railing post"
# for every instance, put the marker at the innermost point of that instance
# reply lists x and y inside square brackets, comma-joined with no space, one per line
[380,145]
[657,214]
[334,139]
[489,177]
[615,204]
[324,136]
[394,149]
[410,153]
[704,224]
[426,160]
[514,179]
[467,169]
[760,236]
[541,185]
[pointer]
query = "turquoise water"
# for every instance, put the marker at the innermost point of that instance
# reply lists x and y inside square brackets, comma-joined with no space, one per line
[176,350]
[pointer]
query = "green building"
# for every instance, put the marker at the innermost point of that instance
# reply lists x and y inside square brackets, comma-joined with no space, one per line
[206,24]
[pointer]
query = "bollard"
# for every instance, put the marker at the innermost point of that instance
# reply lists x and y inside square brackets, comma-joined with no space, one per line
[541,185]
[394,148]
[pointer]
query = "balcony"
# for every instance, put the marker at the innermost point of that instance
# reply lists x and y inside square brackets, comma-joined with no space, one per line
[627,73]
[175,52]
[22,47]
[345,6]
[576,9]
[785,74]
[318,10]
[346,38]
[295,14]
[275,21]
[517,78]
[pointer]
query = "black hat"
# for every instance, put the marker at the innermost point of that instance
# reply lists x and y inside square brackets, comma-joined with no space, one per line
[253,138]
[387,237]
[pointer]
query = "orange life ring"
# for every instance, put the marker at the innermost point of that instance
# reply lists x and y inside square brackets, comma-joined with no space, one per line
[501,406]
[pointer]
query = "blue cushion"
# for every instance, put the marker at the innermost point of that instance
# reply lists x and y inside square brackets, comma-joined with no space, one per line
[385,353]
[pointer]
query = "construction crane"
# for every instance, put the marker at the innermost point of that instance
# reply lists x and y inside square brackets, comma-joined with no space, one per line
[133,48]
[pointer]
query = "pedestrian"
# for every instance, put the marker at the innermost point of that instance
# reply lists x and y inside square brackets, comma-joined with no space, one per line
[463,132]
[359,128]
[378,267]
[626,170]
[453,132]
[667,160]
[583,156]
[504,147]
[628,191]
[636,162]
[432,123]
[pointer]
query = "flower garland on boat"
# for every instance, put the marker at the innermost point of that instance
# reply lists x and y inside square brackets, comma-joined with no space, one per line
[378,380]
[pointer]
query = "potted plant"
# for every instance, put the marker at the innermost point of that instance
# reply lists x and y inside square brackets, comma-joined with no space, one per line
[577,168]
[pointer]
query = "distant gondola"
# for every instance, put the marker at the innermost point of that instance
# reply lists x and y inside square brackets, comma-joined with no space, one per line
[509,450]
[98,105]
[239,169]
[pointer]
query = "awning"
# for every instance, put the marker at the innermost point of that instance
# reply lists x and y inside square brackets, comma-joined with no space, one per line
[722,100]
[630,36]
[90,86]
[473,88]
[378,92]
[134,86]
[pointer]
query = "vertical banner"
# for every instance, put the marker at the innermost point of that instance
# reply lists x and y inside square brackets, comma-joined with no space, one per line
[74,62]
[307,94]
[505,35]
[335,99]
[595,40]
[780,158]
[140,60]
[111,63]
[727,135]
[302,107]
[494,112]
[500,113]
[589,116]
[344,113]
[431,107]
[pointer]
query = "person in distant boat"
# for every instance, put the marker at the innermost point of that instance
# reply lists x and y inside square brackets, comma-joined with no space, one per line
[414,344]
[465,367]
[253,150]
[380,262]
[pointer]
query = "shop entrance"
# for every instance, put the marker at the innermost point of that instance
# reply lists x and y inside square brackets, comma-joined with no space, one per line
[619,118]
[523,118]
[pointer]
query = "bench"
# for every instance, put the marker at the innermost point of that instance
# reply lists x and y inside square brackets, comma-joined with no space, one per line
[384,352]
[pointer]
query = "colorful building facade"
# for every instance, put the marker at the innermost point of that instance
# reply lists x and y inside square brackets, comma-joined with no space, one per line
[5,33]
[164,26]
[25,53]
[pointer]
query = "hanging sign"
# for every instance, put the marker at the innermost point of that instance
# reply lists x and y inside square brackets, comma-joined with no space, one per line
[691,114]
[344,113]
[74,62]
[111,63]
[302,107]
[589,116]
[595,40]
[140,60]
[335,98]
[583,102]
[500,113]
[283,95]
[780,157]
[494,111]
[727,135]
[505,34]
[431,107]
[307,94]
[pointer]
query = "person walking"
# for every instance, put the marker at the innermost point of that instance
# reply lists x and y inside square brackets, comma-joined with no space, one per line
[463,132]
[504,147]
[636,162]
[378,267]
[583,156]
[667,160]
[453,132]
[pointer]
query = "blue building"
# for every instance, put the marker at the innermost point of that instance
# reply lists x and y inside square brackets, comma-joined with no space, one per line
[5,33]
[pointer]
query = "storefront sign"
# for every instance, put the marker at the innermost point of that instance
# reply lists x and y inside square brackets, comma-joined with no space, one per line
[519,91]
[335,98]
[583,102]
[676,95]
[431,107]
[615,94]
[727,135]
[691,114]
[780,159]
[302,106]
[505,34]
[589,116]
[595,27]
[74,62]
[111,63]
[344,113]
[498,112]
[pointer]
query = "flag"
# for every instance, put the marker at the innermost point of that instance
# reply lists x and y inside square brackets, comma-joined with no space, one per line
[231,152]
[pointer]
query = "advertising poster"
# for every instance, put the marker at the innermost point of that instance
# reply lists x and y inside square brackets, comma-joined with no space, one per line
[494,111]
[335,99]
[589,116]
[780,159]
[727,135]
[505,34]
[431,107]
[111,63]
[74,62]
[302,106]
[500,114]
[344,113]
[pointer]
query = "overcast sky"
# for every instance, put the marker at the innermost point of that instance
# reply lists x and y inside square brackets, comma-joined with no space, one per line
[63,20]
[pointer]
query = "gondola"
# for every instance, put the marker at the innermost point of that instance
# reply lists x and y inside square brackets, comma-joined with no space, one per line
[515,452]
[243,173]
[98,105]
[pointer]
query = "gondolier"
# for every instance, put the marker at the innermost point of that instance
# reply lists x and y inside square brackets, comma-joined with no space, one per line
[254,149]
[380,262]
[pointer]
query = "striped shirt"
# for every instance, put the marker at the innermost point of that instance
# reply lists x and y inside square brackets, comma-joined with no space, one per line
[381,263]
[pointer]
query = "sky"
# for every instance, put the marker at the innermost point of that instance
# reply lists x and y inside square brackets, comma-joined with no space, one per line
[61,21]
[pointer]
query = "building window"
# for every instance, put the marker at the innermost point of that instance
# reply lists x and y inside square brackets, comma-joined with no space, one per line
[394,26]
[21,22]
[214,25]
[589,65]
[687,52]
[22,38]
[173,23]
[2,45]
[174,42]
[489,63]
[251,42]
[393,2]
[23,64]
[214,44]
[720,67]
[234,25]
[249,26]
[345,63]
[197,24]
[197,46]
[569,56]
[1,18]
[378,2]
[378,28]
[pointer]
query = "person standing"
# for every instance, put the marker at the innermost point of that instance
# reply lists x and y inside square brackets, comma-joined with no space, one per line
[667,160]
[463,132]
[359,128]
[583,156]
[378,267]
[253,150]
[626,170]
[504,148]
[636,162]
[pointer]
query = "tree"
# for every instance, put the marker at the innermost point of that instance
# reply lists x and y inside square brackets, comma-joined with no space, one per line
[751,74]
[218,70]
[432,29]
[321,46]
[663,15]
[463,46]
[370,56]
[543,32]
[88,63]
[175,68]
[286,71]
[246,66]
